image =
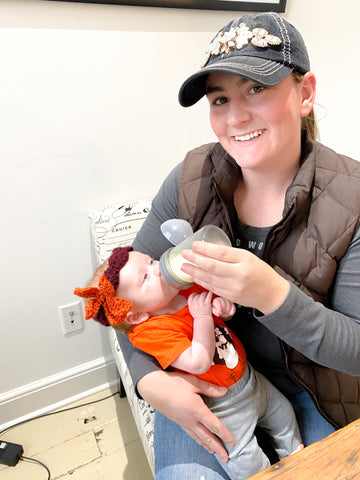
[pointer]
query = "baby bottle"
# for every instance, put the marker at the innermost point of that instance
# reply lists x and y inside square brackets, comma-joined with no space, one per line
[171,260]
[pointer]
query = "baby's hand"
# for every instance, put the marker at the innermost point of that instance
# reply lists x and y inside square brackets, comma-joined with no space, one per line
[200,304]
[223,308]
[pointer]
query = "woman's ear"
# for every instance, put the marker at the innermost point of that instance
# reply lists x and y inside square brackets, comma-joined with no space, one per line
[136,317]
[308,93]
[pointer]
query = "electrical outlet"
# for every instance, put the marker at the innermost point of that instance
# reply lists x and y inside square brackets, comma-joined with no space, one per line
[71,316]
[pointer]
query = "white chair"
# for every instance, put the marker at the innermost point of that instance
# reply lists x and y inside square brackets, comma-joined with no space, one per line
[111,227]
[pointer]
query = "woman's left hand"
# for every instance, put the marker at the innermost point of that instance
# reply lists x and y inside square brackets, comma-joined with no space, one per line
[237,275]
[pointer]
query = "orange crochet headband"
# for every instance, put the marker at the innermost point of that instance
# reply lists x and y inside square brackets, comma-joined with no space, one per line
[103,305]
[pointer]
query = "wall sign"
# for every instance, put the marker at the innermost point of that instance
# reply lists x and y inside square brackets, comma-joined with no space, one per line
[253,6]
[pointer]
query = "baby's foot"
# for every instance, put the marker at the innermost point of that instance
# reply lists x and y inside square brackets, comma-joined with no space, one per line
[300,447]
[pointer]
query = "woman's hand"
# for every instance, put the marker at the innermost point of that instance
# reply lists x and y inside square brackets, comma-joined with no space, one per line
[236,274]
[177,396]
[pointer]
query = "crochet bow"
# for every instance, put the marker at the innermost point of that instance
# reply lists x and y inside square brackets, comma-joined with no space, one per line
[115,308]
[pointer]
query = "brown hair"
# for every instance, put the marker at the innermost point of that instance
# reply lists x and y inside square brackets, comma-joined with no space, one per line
[309,123]
[123,327]
[99,271]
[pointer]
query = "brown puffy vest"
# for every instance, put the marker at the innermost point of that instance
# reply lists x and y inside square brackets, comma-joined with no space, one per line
[327,186]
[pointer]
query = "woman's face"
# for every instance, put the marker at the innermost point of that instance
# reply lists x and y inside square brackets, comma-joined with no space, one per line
[260,127]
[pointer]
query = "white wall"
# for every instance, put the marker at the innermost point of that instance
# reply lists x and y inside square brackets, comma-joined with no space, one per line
[88,117]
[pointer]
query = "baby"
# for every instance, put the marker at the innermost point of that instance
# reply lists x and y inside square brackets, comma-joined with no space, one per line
[185,330]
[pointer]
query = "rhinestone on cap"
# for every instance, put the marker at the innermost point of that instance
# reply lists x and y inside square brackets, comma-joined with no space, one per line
[237,38]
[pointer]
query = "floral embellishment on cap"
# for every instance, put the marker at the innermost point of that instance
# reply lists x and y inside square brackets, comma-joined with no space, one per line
[237,38]
[263,39]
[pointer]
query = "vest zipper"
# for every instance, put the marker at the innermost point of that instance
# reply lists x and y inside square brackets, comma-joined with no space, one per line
[221,204]
[271,237]
[303,385]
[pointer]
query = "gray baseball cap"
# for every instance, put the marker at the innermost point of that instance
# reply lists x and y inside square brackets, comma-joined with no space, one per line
[263,48]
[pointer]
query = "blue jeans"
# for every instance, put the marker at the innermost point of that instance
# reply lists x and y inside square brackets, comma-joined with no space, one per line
[179,457]
[312,425]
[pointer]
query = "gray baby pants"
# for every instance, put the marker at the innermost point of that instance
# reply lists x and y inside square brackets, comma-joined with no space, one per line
[253,401]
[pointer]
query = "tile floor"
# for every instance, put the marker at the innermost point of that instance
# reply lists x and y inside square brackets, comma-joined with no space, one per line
[94,442]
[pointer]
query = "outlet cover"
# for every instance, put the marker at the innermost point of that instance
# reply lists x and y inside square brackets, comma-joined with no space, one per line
[72,318]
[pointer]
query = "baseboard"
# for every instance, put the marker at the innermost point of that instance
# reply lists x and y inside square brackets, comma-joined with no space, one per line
[56,391]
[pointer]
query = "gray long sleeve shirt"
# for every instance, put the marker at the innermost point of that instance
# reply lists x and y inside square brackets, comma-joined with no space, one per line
[328,336]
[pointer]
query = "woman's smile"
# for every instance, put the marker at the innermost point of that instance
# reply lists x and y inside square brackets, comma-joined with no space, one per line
[249,136]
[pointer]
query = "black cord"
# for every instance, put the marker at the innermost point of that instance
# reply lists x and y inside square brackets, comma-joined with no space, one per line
[36,461]
[59,411]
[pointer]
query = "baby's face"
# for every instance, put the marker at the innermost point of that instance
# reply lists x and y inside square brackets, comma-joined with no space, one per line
[141,283]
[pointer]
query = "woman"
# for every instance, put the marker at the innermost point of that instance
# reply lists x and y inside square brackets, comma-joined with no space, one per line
[292,205]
